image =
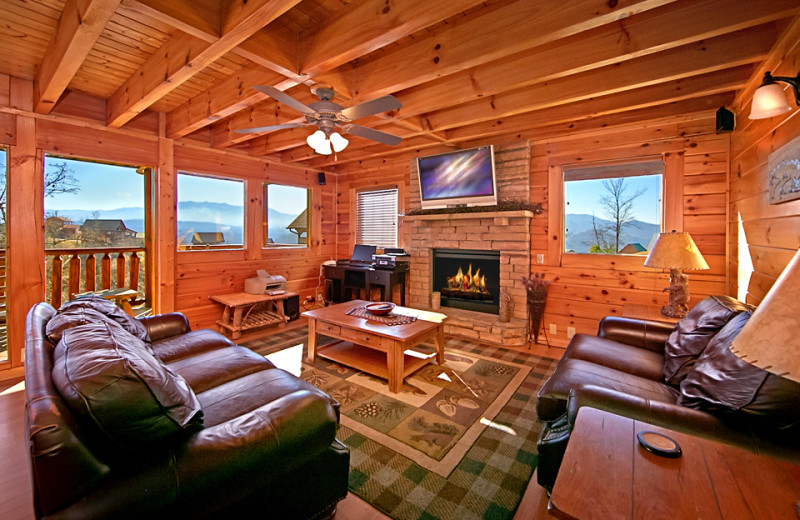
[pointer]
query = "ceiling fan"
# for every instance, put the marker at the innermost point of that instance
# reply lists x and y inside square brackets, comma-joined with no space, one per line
[329,117]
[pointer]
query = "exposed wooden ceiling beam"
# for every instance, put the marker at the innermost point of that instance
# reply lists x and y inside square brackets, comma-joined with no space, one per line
[183,56]
[456,48]
[690,60]
[369,25]
[80,25]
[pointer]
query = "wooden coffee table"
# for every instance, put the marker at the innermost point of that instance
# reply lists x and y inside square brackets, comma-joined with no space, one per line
[373,347]
[607,475]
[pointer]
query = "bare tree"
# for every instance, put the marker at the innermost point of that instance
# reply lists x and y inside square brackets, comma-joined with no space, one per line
[618,206]
[603,238]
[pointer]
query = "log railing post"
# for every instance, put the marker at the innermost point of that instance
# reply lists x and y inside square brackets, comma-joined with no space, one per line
[89,273]
[55,281]
[74,275]
[105,272]
[133,277]
[120,270]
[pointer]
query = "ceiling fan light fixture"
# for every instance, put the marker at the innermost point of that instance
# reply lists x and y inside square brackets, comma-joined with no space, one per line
[319,142]
[338,142]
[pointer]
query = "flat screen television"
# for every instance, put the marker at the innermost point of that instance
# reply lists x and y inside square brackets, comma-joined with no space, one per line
[461,178]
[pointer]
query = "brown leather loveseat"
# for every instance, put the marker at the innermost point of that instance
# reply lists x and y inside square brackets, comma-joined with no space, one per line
[145,418]
[681,377]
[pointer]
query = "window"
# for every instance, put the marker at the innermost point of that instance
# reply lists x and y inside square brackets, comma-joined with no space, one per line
[612,208]
[210,213]
[287,221]
[376,217]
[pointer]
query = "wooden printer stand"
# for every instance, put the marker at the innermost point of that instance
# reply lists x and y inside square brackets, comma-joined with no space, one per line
[245,311]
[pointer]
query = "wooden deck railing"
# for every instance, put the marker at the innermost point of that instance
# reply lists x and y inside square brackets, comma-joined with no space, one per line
[82,272]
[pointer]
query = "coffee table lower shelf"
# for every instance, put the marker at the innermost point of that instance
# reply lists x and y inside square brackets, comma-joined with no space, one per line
[368,359]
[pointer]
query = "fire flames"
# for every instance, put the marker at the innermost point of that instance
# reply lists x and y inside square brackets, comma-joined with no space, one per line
[472,286]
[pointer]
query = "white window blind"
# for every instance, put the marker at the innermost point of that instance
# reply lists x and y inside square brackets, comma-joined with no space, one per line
[376,213]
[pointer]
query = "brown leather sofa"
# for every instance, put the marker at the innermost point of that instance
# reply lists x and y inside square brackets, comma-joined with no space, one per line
[147,419]
[680,377]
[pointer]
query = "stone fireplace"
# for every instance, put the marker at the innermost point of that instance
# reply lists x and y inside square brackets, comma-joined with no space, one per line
[506,233]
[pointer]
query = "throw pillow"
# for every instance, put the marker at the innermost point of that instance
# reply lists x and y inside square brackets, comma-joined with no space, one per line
[110,378]
[694,331]
[722,381]
[110,310]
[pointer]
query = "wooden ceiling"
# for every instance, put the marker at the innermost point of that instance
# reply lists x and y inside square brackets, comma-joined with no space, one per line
[465,71]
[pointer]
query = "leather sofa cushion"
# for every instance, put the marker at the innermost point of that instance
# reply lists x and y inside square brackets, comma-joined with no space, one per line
[93,309]
[111,379]
[573,372]
[189,344]
[690,338]
[247,393]
[218,366]
[720,380]
[619,356]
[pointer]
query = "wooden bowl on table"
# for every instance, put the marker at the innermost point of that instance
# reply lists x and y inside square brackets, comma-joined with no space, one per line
[380,308]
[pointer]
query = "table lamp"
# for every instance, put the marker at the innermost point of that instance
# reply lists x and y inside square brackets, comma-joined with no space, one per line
[675,251]
[769,339]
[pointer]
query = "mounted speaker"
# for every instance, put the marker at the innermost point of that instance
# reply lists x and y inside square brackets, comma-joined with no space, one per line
[725,121]
[321,178]
[291,307]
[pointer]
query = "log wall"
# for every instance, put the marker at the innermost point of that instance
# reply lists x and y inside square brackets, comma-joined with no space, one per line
[763,236]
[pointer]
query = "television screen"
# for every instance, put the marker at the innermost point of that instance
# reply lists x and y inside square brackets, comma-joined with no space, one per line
[465,177]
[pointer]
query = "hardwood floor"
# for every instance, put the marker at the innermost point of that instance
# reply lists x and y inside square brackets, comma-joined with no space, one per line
[16,499]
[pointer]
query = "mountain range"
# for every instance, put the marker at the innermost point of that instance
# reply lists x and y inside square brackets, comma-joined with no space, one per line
[580,233]
[193,217]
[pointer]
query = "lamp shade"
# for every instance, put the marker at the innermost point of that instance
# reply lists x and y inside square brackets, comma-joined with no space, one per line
[338,142]
[768,100]
[771,337]
[319,142]
[675,250]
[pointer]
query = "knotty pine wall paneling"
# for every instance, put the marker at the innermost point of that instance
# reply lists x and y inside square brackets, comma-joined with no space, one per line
[763,237]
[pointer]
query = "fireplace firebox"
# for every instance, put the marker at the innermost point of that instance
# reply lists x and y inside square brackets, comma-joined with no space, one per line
[468,279]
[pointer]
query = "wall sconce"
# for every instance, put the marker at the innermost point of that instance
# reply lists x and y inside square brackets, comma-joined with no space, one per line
[769,99]
[326,144]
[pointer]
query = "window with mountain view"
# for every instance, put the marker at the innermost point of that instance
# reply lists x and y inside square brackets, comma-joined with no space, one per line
[286,218]
[612,209]
[210,213]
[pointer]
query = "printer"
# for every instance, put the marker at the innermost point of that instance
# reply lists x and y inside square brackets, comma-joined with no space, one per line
[265,283]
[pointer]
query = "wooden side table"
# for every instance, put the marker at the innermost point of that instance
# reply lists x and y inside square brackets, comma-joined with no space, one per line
[245,311]
[642,311]
[607,475]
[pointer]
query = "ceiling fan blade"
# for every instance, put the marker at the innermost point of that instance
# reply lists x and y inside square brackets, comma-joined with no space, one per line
[286,99]
[370,133]
[259,129]
[368,108]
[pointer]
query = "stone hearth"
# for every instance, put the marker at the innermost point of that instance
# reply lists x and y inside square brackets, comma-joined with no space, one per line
[507,232]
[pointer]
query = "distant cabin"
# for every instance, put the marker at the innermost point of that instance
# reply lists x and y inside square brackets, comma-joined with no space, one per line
[111,229]
[299,226]
[208,238]
[633,249]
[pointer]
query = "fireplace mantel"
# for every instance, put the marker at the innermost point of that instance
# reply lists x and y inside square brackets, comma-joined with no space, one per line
[468,215]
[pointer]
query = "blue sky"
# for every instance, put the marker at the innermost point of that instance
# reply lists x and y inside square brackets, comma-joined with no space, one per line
[584,197]
[105,187]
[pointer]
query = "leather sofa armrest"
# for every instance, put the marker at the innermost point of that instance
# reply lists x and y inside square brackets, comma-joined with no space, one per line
[666,415]
[166,325]
[233,459]
[650,335]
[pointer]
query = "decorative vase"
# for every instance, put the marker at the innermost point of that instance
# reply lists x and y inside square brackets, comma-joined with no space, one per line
[536,288]
[506,306]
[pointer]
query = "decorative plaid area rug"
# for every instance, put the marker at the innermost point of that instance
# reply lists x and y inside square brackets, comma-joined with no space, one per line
[436,450]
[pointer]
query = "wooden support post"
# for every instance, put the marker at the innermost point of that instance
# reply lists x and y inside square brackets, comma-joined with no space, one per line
[89,274]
